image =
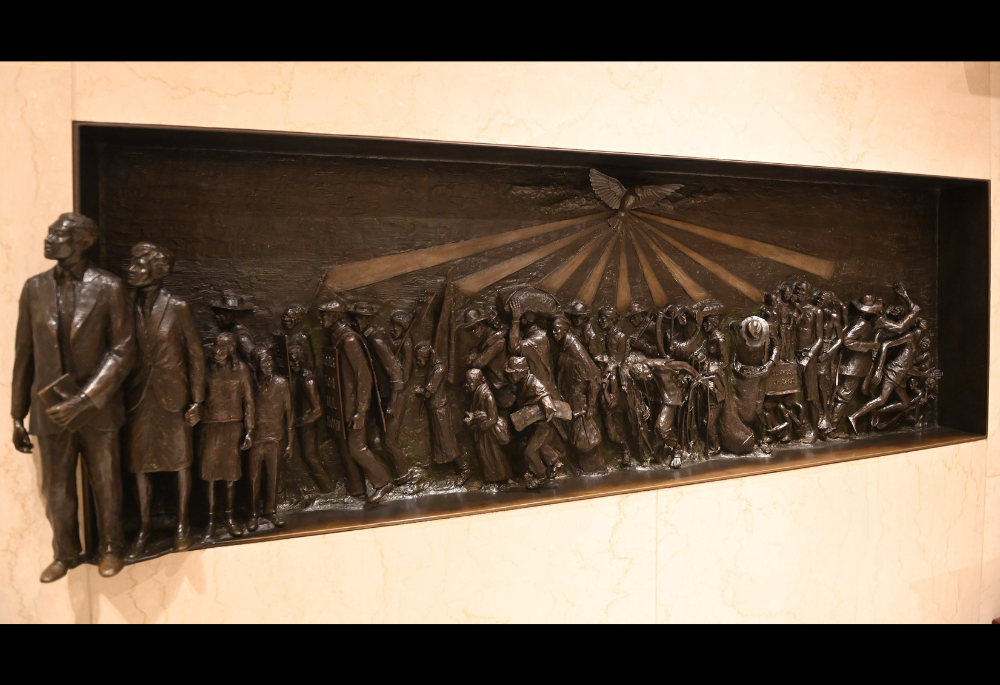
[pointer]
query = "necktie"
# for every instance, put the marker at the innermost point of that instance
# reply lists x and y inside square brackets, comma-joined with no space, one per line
[67,305]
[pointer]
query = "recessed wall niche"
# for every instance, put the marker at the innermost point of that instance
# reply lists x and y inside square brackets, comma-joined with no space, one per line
[471,241]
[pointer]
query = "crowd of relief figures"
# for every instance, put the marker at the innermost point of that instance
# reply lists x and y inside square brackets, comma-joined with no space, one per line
[516,389]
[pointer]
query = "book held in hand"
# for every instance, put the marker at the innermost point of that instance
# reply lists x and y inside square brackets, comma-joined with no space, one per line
[61,390]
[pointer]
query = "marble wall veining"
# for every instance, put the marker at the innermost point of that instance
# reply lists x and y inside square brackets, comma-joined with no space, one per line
[909,537]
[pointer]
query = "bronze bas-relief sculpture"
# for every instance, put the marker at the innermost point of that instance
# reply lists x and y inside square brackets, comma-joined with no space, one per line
[548,390]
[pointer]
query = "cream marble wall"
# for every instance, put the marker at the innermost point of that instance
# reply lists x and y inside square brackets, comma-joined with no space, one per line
[898,538]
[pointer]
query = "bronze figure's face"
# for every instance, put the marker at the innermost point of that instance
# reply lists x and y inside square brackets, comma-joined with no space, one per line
[265,364]
[423,355]
[225,346]
[478,331]
[641,371]
[69,235]
[473,379]
[559,328]
[607,318]
[293,316]
[149,265]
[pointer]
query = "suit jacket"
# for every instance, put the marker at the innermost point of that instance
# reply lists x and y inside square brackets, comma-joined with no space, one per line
[170,367]
[101,337]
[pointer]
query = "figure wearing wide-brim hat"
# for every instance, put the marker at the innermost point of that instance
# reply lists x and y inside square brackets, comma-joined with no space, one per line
[868,304]
[471,316]
[232,301]
[578,313]
[230,310]
[490,354]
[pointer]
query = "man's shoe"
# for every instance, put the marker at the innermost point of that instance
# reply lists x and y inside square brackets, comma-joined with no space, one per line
[231,526]
[57,569]
[275,520]
[463,476]
[110,565]
[810,436]
[675,463]
[210,528]
[410,476]
[381,492]
[252,524]
[183,539]
[138,546]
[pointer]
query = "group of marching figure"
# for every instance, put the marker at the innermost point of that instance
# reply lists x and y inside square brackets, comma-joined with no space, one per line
[676,387]
[92,358]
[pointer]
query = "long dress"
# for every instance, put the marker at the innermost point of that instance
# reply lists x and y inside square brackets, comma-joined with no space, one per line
[487,432]
[444,443]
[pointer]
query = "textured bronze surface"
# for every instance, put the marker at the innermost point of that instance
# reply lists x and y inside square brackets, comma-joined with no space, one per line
[427,329]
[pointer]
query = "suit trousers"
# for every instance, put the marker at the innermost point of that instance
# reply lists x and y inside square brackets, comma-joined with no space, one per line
[264,454]
[60,452]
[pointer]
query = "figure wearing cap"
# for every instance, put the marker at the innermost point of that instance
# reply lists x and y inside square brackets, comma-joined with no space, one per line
[490,355]
[578,314]
[860,343]
[350,379]
[384,355]
[402,344]
[642,340]
[544,449]
[230,312]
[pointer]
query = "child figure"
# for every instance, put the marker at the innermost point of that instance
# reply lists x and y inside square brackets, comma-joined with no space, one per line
[229,414]
[272,427]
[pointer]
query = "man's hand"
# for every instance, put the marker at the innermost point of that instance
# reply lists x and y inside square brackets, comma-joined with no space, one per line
[193,414]
[288,452]
[247,442]
[22,441]
[63,413]
[357,422]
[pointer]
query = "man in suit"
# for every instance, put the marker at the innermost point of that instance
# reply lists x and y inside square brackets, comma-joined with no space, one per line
[75,319]
[165,391]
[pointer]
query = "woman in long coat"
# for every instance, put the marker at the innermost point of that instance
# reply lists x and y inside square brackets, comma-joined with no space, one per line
[489,429]
[229,416]
[444,443]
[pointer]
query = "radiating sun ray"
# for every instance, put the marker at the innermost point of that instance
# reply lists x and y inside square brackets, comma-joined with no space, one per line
[821,267]
[358,274]
[588,291]
[748,289]
[691,287]
[475,282]
[655,289]
[624,298]
[557,279]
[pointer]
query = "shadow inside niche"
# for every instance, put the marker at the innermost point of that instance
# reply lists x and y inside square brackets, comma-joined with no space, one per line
[142,593]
